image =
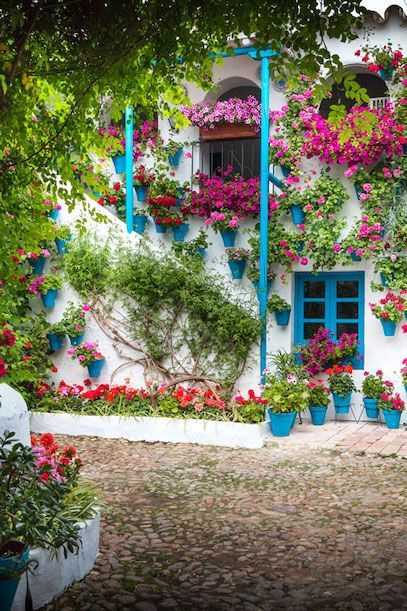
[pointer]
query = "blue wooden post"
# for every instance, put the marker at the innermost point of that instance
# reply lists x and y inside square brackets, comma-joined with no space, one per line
[129,168]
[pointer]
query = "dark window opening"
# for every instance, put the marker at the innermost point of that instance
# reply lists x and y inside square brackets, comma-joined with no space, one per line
[374,85]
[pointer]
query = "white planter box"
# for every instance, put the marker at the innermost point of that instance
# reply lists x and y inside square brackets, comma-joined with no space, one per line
[173,430]
[55,572]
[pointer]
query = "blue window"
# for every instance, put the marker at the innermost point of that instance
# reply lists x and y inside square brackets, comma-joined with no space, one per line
[331,300]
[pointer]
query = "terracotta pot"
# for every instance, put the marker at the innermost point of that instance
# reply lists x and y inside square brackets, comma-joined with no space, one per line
[229,131]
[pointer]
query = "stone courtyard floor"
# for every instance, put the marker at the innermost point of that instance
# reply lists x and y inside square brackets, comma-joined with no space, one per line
[289,526]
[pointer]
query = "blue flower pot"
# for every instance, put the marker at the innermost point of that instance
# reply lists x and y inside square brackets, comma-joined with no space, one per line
[358,190]
[297,214]
[389,327]
[237,268]
[55,341]
[53,214]
[392,418]
[8,587]
[384,280]
[48,298]
[280,424]
[318,414]
[95,367]
[256,285]
[180,231]
[285,170]
[37,265]
[62,245]
[180,197]
[300,246]
[119,162]
[355,257]
[293,419]
[174,159]
[341,404]
[178,201]
[386,75]
[76,340]
[372,411]
[160,228]
[201,251]
[141,192]
[140,222]
[283,317]
[351,360]
[228,237]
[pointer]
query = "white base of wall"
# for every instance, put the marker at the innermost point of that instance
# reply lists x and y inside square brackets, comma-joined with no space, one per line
[54,572]
[173,430]
[14,414]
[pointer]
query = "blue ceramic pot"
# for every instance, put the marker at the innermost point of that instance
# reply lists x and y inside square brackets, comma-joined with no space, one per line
[55,341]
[358,190]
[141,192]
[372,411]
[78,339]
[8,587]
[318,414]
[95,367]
[386,75]
[285,170]
[297,214]
[355,257]
[228,237]
[280,424]
[342,404]
[53,214]
[282,317]
[140,222]
[62,245]
[201,251]
[392,418]
[119,162]
[384,280]
[37,265]
[237,268]
[160,228]
[180,231]
[174,159]
[294,418]
[48,298]
[389,327]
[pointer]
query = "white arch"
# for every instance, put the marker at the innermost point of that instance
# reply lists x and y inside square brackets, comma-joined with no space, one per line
[229,83]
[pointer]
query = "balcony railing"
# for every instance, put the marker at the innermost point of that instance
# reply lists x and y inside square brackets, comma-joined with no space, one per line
[378,102]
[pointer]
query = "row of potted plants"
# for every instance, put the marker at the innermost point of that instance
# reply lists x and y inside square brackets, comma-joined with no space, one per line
[72,324]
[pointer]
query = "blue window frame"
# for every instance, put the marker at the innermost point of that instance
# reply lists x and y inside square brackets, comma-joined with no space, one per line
[334,300]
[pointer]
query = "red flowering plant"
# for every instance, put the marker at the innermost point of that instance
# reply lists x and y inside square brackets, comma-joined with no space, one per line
[340,380]
[61,465]
[390,401]
[389,308]
[86,353]
[251,408]
[318,393]
[142,178]
[112,196]
[373,385]
[16,365]
[383,58]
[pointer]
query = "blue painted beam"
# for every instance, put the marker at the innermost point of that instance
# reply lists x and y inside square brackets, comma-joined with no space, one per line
[252,51]
[129,168]
[276,181]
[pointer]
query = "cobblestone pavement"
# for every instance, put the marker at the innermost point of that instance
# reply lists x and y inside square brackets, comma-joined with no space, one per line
[193,527]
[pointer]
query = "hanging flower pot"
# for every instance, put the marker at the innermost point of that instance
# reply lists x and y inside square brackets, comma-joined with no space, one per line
[55,341]
[389,327]
[228,237]
[95,367]
[286,171]
[237,268]
[297,214]
[386,75]
[201,251]
[141,192]
[372,411]
[10,570]
[341,404]
[76,340]
[175,158]
[159,227]
[282,317]
[53,214]
[49,298]
[140,222]
[384,280]
[354,256]
[318,414]
[179,232]
[119,162]
[392,418]
[280,423]
[37,265]
[358,190]
[62,245]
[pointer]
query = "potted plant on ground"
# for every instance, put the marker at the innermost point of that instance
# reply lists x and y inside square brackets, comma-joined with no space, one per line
[389,310]
[281,309]
[341,386]
[142,181]
[74,322]
[237,259]
[318,401]
[392,406]
[56,334]
[285,397]
[88,356]
[63,236]
[372,387]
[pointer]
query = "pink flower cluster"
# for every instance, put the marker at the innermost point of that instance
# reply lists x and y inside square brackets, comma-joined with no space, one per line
[292,255]
[391,307]
[144,137]
[210,115]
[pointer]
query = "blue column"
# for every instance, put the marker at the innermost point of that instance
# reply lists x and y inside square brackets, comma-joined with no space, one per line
[129,168]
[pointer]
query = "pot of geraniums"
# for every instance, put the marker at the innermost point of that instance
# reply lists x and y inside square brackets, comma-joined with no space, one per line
[227,224]
[285,397]
[142,181]
[392,406]
[382,60]
[389,310]
[318,401]
[34,486]
[62,239]
[75,322]
[37,260]
[140,220]
[372,387]
[56,335]
[341,386]
[179,228]
[237,259]
[403,372]
[281,309]
[88,356]
[174,152]
[47,287]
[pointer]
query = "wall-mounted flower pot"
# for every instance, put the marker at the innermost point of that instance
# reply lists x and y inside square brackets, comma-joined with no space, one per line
[229,131]
[180,231]
[53,214]
[297,214]
[140,222]
[55,341]
[237,268]
[386,75]
[119,162]
[392,418]
[384,280]
[175,158]
[256,285]
[355,257]
[201,251]
[95,367]
[49,298]
[62,245]
[389,327]
[76,340]
[280,424]
[318,414]
[160,228]
[341,404]
[37,265]
[372,411]
[282,317]
[228,237]
[178,201]
[9,575]
[141,192]
[286,171]
[358,190]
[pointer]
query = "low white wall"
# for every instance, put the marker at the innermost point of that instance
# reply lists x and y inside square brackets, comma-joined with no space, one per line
[54,572]
[173,430]
[14,414]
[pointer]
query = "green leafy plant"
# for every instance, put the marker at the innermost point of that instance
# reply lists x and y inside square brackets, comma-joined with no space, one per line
[237,254]
[318,394]
[340,381]
[74,320]
[278,303]
[285,395]
[373,385]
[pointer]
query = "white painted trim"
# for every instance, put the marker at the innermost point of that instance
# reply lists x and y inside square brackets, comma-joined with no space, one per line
[54,572]
[172,430]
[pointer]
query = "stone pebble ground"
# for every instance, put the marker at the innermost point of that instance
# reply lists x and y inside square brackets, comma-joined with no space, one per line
[195,527]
